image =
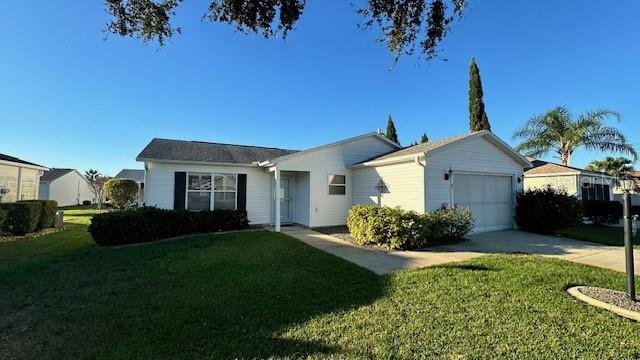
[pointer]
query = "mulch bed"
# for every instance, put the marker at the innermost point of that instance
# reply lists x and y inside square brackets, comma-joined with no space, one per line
[342,233]
[617,298]
[4,238]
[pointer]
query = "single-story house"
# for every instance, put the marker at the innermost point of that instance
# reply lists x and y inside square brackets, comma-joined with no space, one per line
[66,186]
[137,176]
[19,179]
[586,185]
[316,187]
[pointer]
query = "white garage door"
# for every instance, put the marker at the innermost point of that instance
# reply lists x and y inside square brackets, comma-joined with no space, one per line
[489,197]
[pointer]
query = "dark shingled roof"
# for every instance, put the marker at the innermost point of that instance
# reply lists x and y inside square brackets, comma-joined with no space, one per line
[165,149]
[418,149]
[132,174]
[16,160]
[54,174]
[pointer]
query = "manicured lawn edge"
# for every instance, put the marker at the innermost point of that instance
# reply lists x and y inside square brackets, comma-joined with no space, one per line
[183,237]
[631,315]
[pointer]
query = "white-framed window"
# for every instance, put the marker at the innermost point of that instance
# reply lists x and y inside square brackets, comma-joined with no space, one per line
[225,192]
[198,191]
[211,191]
[337,185]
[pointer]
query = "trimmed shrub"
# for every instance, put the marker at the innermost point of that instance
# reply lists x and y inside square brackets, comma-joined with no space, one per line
[47,213]
[547,210]
[22,217]
[602,212]
[150,224]
[450,223]
[395,228]
[121,192]
[86,202]
[3,216]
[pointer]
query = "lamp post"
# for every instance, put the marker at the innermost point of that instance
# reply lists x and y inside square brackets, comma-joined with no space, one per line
[628,238]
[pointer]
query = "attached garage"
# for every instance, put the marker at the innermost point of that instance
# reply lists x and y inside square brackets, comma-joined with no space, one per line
[478,171]
[490,198]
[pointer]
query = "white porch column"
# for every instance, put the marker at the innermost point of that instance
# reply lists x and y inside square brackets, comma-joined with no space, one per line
[277,200]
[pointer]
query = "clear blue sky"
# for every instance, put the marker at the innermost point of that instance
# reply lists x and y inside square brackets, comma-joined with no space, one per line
[70,99]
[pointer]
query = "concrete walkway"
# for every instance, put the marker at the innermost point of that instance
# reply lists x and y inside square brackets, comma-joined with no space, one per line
[609,257]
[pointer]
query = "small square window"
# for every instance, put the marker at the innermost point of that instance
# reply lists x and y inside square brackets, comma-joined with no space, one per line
[199,182]
[224,201]
[337,185]
[224,182]
[199,201]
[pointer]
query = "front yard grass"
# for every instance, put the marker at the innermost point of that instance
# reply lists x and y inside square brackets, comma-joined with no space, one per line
[262,294]
[598,234]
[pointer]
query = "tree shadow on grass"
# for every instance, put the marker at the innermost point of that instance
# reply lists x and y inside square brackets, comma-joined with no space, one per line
[221,296]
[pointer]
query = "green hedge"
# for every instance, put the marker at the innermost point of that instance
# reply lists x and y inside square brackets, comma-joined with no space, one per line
[3,216]
[48,213]
[547,210]
[599,212]
[22,217]
[395,228]
[150,224]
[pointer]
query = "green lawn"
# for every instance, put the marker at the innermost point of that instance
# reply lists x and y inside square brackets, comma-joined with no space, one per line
[261,294]
[597,234]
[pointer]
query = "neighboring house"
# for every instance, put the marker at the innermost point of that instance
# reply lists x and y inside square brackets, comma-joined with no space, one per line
[317,187]
[19,179]
[586,185]
[66,186]
[137,176]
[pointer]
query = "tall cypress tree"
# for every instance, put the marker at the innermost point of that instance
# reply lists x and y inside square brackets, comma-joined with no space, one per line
[478,119]
[424,138]
[391,131]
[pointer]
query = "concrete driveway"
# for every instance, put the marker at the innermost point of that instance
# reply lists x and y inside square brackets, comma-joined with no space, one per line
[501,242]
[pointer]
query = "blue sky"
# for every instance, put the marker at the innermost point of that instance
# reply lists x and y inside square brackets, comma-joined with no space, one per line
[68,98]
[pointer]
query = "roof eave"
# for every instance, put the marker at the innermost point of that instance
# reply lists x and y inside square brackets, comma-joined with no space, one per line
[388,161]
[28,166]
[337,143]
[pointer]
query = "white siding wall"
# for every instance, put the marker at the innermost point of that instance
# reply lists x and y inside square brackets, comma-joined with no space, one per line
[474,156]
[301,198]
[29,181]
[43,191]
[159,185]
[9,180]
[405,182]
[566,182]
[69,189]
[325,209]
[23,183]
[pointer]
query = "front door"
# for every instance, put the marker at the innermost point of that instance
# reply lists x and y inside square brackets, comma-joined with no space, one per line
[286,212]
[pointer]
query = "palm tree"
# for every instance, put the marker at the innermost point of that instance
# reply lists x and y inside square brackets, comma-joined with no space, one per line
[617,167]
[559,132]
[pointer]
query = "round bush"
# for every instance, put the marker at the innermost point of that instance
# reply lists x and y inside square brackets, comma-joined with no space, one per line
[395,228]
[121,192]
[547,210]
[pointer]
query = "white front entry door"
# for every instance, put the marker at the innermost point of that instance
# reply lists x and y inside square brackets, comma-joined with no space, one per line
[490,198]
[286,213]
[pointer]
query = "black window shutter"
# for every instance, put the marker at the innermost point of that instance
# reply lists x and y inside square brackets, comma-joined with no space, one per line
[179,189]
[242,191]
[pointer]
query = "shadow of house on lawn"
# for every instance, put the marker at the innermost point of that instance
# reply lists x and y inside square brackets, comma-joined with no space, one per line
[220,296]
